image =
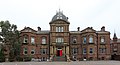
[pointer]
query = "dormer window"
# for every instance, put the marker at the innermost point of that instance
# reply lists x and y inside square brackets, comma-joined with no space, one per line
[60,17]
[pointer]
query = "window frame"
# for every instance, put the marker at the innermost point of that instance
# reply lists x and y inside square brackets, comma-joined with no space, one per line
[25,39]
[25,50]
[91,50]
[74,40]
[32,50]
[59,28]
[84,40]
[90,39]
[43,50]
[59,40]
[84,51]
[32,40]
[74,51]
[44,40]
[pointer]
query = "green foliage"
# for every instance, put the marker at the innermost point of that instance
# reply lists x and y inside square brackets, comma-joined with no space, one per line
[2,58]
[10,36]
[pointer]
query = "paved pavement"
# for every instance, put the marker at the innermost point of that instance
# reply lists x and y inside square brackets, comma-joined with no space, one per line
[64,63]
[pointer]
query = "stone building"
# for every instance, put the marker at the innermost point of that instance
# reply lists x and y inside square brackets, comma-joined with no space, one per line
[60,44]
[115,48]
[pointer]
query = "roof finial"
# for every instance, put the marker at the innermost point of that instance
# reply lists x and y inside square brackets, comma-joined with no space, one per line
[115,36]
[59,9]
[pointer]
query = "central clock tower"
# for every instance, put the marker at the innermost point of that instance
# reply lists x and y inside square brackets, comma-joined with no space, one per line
[59,37]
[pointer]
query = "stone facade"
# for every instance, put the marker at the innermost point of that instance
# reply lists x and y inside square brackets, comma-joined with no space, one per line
[115,48]
[60,44]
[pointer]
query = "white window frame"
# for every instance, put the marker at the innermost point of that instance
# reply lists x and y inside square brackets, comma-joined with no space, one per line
[33,50]
[25,39]
[43,40]
[84,40]
[59,29]
[74,51]
[25,50]
[32,40]
[91,39]
[59,40]
[43,51]
[102,40]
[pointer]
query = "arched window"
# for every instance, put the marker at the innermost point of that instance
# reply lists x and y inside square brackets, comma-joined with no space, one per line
[43,40]
[32,40]
[33,51]
[91,39]
[25,39]
[74,40]
[25,51]
[84,40]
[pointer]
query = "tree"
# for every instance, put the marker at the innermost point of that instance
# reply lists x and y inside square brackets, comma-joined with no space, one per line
[10,36]
[2,58]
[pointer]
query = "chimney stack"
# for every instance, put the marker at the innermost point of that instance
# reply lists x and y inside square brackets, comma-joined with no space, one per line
[39,29]
[78,28]
[103,29]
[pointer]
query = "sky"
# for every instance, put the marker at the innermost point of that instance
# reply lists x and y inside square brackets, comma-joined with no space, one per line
[81,13]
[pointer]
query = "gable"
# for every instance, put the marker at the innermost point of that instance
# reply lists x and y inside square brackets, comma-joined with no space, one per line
[88,29]
[28,29]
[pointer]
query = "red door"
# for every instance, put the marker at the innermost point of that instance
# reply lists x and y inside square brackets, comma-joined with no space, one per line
[59,52]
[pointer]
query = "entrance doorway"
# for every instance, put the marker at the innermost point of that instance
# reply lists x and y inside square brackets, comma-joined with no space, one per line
[59,52]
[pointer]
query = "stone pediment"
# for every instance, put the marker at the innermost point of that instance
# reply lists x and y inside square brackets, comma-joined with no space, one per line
[28,29]
[88,29]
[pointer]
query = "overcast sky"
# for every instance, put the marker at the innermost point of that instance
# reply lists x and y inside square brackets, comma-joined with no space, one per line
[81,13]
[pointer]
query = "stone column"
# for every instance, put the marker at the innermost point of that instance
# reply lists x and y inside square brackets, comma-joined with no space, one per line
[55,50]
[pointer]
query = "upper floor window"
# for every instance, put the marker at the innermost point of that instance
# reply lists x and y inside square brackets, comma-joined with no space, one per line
[43,40]
[84,51]
[91,39]
[91,50]
[25,40]
[102,39]
[32,40]
[84,40]
[59,40]
[74,51]
[43,51]
[25,51]
[33,51]
[74,40]
[59,29]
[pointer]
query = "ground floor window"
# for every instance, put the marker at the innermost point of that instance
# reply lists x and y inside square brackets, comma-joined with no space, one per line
[44,59]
